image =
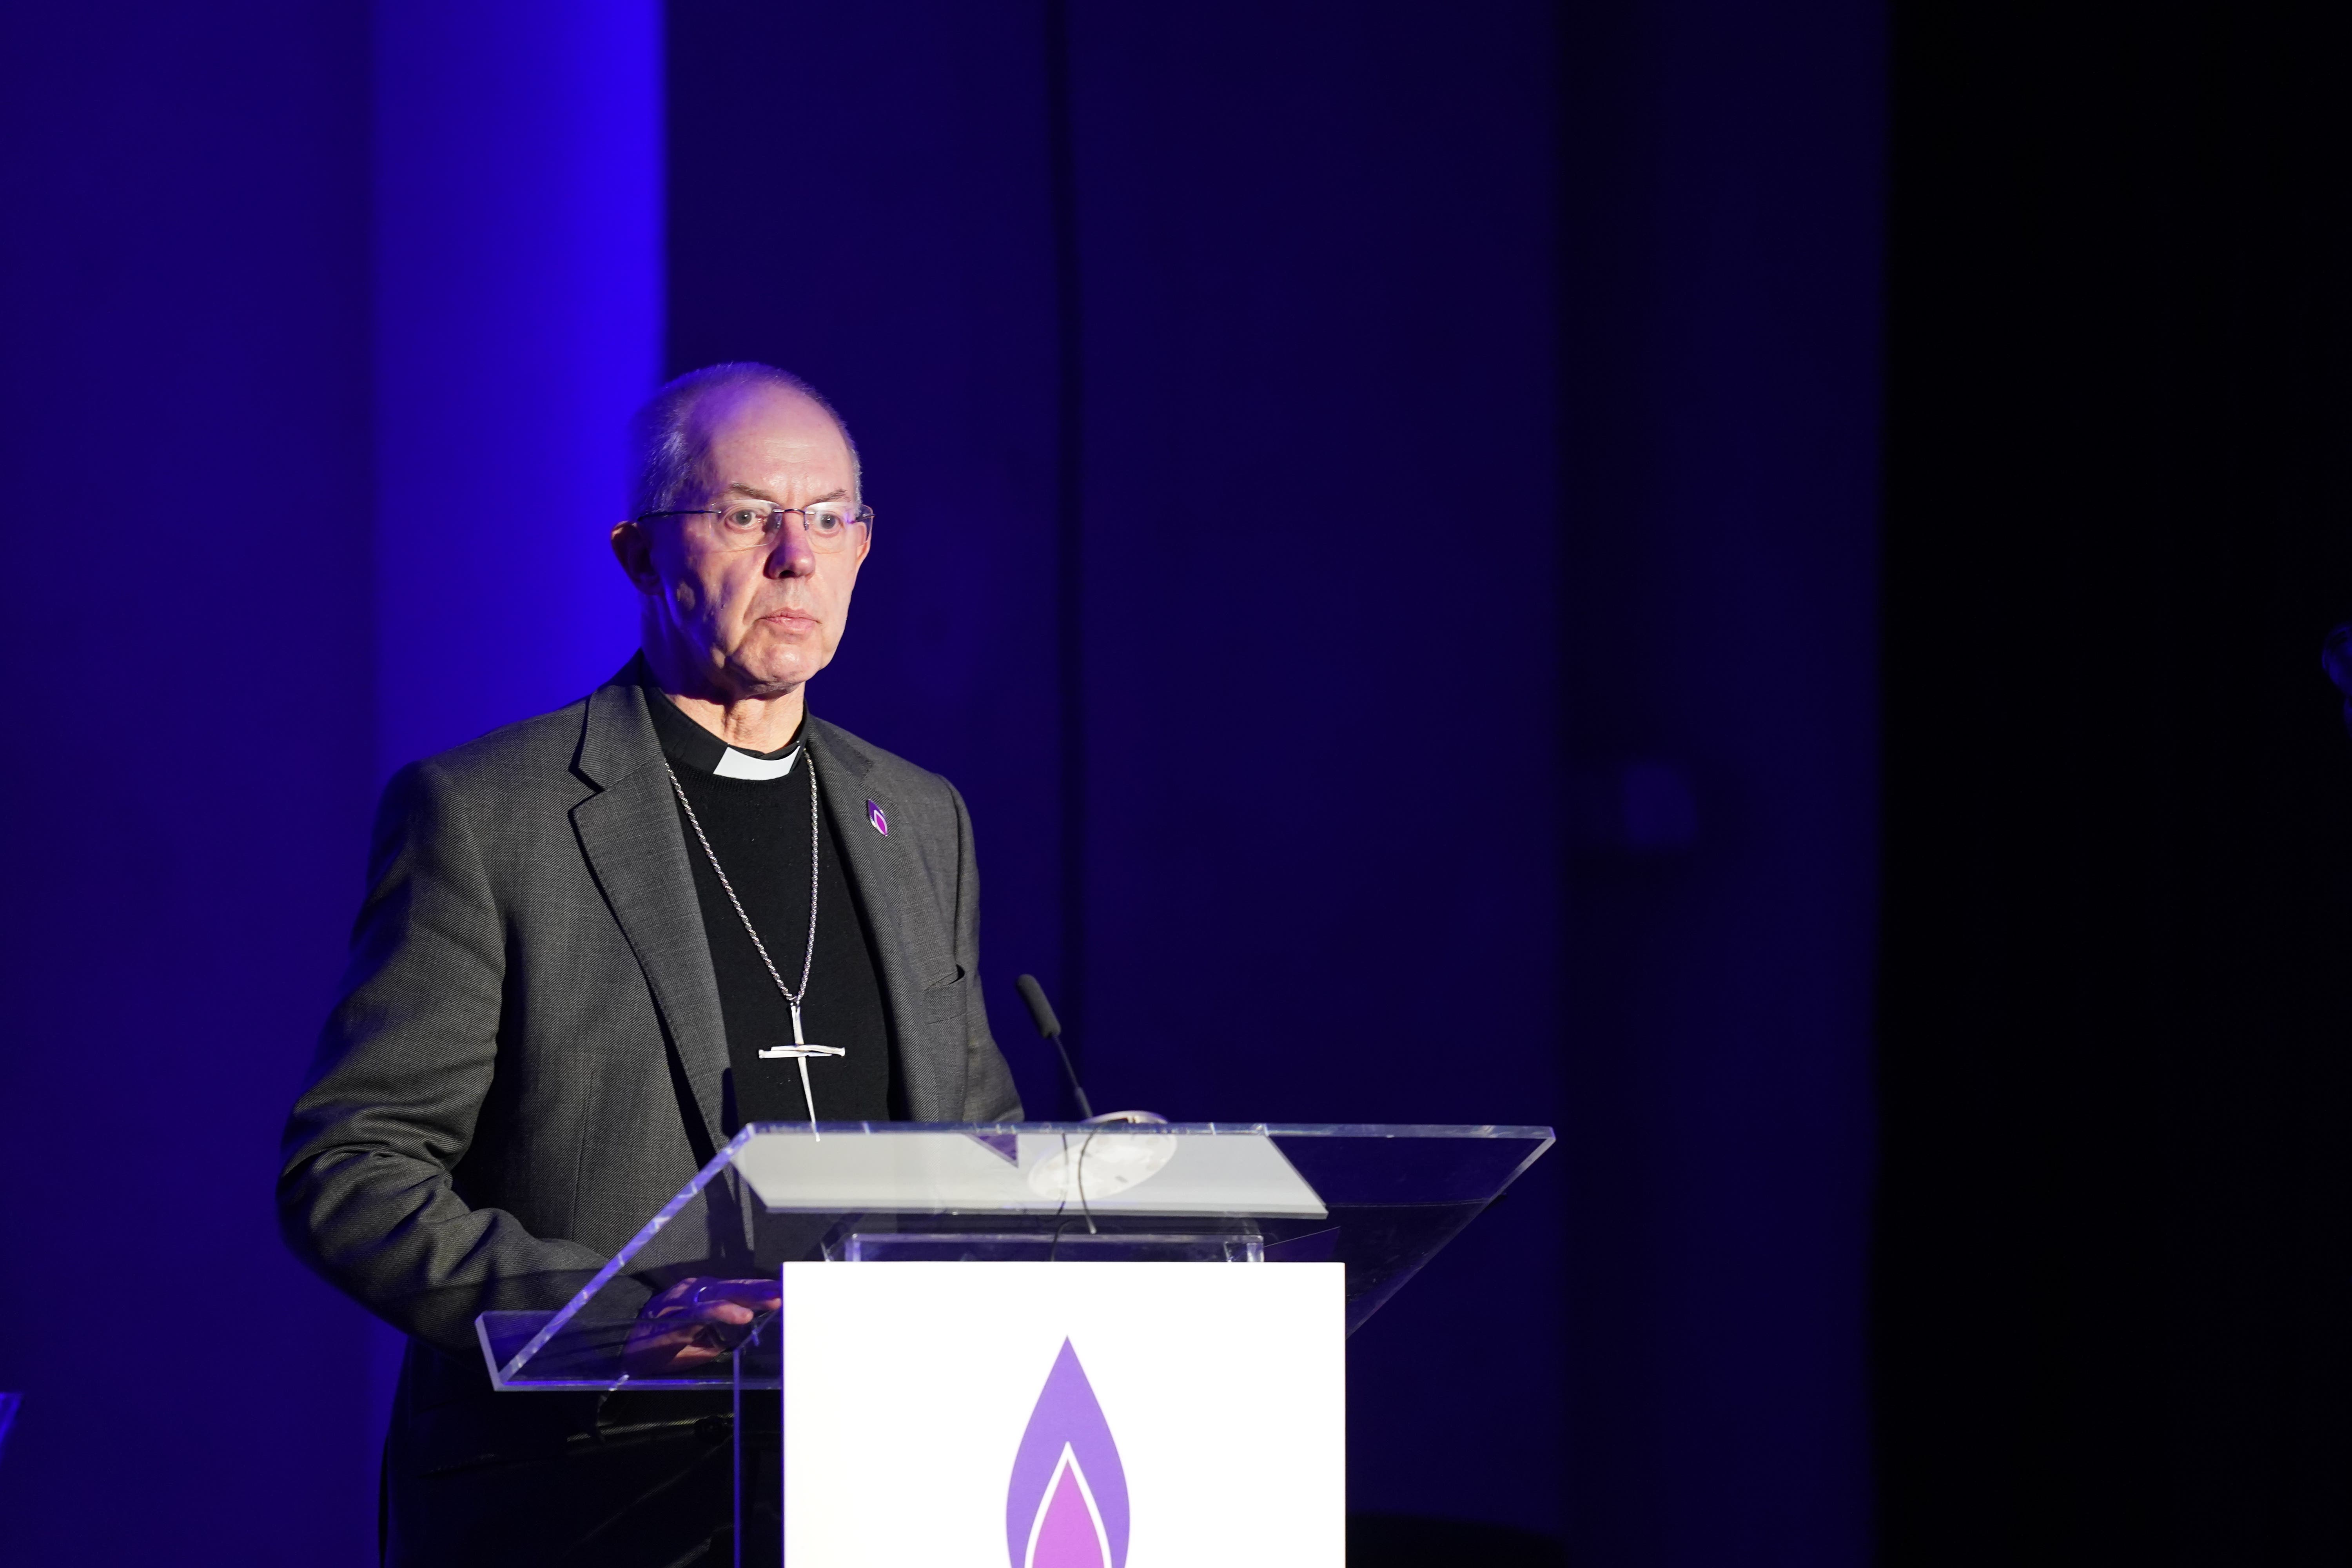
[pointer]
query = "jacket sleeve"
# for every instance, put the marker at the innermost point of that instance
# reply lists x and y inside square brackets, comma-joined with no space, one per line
[366,1189]
[989,1094]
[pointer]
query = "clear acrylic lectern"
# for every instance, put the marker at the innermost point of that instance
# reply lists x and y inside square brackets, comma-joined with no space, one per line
[1380,1201]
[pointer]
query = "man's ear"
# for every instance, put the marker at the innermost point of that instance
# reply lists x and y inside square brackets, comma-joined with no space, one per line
[634,551]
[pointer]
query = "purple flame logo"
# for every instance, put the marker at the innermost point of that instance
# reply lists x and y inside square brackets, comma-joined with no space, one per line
[1066,1504]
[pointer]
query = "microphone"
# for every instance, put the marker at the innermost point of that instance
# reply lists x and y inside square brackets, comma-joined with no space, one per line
[1041,1013]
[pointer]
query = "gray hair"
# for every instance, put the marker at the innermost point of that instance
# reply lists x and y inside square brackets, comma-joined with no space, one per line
[669,441]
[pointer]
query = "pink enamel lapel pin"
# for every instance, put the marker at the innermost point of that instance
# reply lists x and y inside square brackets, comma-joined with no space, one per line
[881,822]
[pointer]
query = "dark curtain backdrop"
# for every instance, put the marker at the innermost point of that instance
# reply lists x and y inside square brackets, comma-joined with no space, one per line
[185,443]
[1724,169]
[2115,1250]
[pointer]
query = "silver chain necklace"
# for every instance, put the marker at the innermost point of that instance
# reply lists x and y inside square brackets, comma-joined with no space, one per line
[800,1049]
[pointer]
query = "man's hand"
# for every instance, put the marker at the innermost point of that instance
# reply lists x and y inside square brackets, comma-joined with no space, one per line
[696,1321]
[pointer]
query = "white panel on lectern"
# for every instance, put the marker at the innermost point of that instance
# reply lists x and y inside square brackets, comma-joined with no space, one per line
[1071,1415]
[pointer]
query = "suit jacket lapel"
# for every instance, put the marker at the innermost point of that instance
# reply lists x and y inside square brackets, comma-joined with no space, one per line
[913,943]
[629,832]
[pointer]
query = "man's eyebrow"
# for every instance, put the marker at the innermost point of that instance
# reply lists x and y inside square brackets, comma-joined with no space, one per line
[756,493]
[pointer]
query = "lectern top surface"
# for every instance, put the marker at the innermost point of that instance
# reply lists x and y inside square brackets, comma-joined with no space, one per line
[1379,1199]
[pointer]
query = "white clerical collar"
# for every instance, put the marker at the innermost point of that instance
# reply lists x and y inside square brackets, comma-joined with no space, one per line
[736,764]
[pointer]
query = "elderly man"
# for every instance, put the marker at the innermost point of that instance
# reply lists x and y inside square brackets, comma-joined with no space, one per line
[595,943]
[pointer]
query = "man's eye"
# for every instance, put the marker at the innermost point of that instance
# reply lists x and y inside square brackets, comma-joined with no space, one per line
[747,519]
[822,521]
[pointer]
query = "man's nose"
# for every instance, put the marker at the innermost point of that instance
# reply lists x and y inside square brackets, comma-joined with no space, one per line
[790,556]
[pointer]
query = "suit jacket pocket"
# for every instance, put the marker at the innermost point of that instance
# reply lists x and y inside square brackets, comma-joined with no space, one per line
[943,1000]
[935,1064]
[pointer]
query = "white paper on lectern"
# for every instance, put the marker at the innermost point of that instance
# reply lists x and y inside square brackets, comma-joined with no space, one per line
[927,1172]
[907,1388]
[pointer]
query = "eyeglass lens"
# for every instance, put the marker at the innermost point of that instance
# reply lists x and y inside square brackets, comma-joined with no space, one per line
[742,527]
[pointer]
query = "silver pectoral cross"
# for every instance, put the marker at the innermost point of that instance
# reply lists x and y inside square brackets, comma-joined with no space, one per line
[800,1050]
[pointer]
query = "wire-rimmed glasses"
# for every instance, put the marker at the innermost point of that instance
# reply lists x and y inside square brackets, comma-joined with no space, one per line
[748,525]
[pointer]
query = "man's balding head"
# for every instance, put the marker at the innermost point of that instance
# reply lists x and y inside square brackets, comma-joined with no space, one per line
[747,538]
[672,430]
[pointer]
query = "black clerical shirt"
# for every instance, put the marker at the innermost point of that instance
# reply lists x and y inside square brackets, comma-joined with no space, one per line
[759,828]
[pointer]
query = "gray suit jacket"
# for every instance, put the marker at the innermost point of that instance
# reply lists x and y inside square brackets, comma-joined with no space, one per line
[525,1059]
